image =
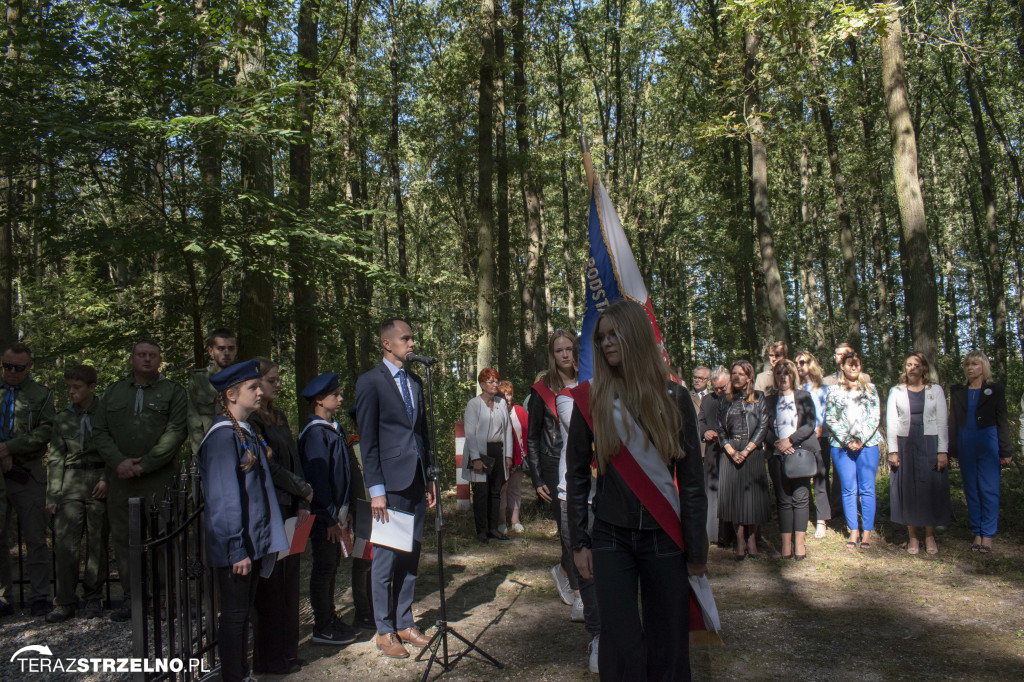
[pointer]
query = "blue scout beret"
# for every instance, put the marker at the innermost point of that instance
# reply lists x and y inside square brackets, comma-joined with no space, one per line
[322,385]
[236,374]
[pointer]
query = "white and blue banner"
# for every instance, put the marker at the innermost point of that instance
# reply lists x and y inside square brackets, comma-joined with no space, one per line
[612,273]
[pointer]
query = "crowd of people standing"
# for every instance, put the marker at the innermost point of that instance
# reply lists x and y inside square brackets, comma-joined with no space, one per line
[637,480]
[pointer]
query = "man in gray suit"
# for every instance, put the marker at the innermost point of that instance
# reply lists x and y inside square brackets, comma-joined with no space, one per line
[395,447]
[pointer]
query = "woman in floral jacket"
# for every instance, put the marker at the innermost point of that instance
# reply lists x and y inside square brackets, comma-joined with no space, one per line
[852,414]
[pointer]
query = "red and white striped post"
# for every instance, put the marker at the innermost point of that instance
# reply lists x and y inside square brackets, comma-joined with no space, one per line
[461,484]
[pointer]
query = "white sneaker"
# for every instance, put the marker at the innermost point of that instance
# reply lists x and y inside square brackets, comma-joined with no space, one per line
[562,585]
[592,652]
[517,528]
[502,529]
[577,610]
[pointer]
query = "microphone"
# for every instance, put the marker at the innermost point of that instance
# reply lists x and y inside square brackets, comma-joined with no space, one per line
[423,359]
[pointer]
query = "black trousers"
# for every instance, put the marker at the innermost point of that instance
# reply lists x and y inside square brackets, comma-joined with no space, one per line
[549,472]
[326,557]
[653,644]
[237,594]
[362,587]
[833,491]
[791,497]
[276,641]
[487,494]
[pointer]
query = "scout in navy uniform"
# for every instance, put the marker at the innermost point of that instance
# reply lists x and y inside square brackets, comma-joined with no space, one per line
[139,429]
[244,530]
[26,420]
[76,493]
[325,464]
[202,396]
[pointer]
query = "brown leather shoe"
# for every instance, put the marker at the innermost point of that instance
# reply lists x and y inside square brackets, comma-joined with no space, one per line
[390,646]
[413,636]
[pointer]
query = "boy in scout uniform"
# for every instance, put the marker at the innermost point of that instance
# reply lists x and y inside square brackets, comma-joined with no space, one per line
[202,396]
[139,429]
[26,418]
[76,494]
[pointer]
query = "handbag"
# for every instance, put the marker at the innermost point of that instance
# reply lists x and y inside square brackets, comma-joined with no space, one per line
[799,464]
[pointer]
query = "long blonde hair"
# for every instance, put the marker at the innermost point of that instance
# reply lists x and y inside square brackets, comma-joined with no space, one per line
[250,458]
[814,372]
[553,378]
[640,382]
[748,369]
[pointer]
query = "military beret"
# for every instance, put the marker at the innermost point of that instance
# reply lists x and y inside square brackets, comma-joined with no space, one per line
[236,374]
[321,385]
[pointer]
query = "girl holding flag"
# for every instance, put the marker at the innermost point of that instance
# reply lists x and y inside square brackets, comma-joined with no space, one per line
[649,533]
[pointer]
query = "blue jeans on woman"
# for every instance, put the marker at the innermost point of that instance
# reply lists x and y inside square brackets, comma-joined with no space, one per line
[857,472]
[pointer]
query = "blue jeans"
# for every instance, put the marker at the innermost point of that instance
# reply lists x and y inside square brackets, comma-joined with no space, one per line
[857,472]
[629,563]
[979,466]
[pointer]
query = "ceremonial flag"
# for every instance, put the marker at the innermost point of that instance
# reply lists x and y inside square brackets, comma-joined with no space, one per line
[612,272]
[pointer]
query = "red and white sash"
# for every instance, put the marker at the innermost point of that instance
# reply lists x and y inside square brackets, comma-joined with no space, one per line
[518,419]
[548,396]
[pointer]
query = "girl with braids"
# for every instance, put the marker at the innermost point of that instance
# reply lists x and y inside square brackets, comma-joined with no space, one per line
[649,533]
[244,530]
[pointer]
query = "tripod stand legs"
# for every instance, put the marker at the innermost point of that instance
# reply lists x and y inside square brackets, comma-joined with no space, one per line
[447,660]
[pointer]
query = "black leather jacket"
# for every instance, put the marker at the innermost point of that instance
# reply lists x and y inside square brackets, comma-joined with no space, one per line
[740,422]
[285,467]
[616,504]
[543,439]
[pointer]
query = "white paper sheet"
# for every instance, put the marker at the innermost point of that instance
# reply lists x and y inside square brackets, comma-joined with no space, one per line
[397,533]
[702,590]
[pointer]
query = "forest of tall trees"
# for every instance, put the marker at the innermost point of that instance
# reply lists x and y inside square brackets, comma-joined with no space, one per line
[812,170]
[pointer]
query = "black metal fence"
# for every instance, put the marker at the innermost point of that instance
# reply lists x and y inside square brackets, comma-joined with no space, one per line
[174,611]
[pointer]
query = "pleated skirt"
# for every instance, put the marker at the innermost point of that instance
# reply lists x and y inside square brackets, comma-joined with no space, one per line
[743,494]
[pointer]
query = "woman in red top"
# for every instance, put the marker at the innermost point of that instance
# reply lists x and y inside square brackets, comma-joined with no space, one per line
[512,491]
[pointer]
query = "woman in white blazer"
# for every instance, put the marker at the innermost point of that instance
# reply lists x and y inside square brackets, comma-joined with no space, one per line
[918,442]
[487,454]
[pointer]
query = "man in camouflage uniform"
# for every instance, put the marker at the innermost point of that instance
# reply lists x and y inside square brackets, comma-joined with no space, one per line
[76,494]
[202,397]
[26,419]
[139,429]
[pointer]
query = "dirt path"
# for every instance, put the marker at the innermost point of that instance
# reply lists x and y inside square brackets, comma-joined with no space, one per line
[879,614]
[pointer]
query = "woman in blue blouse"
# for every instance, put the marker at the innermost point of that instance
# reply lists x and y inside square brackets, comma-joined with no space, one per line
[852,414]
[979,436]
[244,530]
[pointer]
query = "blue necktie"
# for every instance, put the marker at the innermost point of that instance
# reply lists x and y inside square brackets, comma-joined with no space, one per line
[406,397]
[7,413]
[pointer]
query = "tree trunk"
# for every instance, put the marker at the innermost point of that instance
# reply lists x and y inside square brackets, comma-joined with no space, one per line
[851,302]
[563,172]
[533,329]
[485,200]
[812,305]
[924,309]
[776,299]
[990,252]
[256,301]
[9,186]
[393,152]
[504,253]
[300,167]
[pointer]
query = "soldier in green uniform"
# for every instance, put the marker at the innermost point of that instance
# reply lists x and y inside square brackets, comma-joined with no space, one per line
[202,397]
[26,419]
[139,429]
[76,493]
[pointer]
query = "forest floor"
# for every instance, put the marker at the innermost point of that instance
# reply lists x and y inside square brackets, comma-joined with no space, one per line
[877,614]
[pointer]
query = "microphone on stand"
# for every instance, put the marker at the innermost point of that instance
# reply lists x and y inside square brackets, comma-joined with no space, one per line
[423,359]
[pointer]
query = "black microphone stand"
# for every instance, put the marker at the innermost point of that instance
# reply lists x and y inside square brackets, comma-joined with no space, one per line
[440,638]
